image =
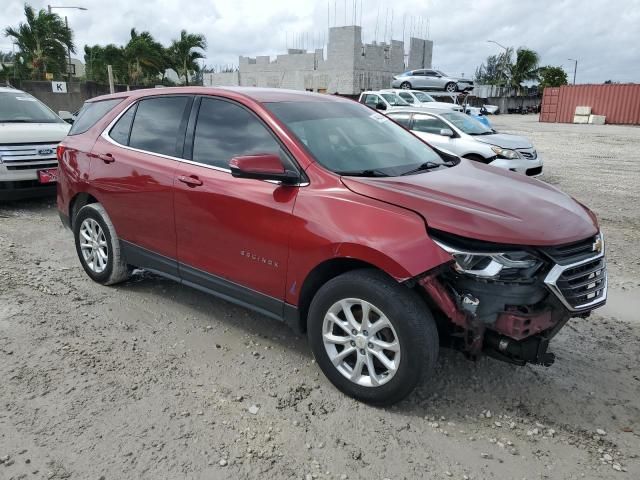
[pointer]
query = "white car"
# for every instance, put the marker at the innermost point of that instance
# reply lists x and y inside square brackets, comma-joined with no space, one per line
[421,99]
[29,135]
[465,137]
[382,100]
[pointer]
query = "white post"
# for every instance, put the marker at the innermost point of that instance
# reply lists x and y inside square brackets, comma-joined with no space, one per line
[110,73]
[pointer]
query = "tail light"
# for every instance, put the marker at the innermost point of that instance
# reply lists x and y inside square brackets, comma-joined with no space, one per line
[60,151]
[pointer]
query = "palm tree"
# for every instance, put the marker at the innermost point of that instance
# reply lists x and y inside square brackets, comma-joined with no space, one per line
[43,41]
[525,68]
[185,52]
[145,57]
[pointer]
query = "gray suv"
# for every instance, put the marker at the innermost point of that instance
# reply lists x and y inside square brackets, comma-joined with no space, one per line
[424,79]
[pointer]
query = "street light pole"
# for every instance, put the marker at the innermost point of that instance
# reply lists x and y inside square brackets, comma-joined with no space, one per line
[575,68]
[504,57]
[66,22]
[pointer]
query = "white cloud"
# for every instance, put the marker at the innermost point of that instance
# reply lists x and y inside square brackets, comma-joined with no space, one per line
[601,35]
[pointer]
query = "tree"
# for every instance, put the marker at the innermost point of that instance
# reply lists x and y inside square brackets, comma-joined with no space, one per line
[43,41]
[496,69]
[97,58]
[525,67]
[552,77]
[145,58]
[184,53]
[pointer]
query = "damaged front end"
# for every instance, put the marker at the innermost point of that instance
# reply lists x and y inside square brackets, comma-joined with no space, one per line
[510,301]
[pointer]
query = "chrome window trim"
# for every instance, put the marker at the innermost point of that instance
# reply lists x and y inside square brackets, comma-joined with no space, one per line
[105,135]
[554,274]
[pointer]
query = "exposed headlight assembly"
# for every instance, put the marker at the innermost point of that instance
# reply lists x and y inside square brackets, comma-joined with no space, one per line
[505,152]
[491,265]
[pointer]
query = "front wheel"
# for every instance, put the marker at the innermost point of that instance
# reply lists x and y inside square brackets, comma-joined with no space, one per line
[373,338]
[405,86]
[451,87]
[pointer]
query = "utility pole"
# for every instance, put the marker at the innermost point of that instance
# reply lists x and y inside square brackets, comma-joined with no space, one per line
[575,69]
[66,23]
[504,58]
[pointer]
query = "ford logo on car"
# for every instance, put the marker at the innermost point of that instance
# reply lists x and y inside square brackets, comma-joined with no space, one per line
[45,151]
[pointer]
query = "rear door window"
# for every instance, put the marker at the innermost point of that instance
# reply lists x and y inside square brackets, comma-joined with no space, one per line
[159,123]
[91,113]
[428,124]
[403,119]
[406,96]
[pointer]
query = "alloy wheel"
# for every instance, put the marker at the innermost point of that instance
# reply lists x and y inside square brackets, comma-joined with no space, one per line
[361,342]
[93,245]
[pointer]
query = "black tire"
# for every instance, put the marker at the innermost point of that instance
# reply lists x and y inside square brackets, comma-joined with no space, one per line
[412,321]
[116,269]
[405,86]
[451,87]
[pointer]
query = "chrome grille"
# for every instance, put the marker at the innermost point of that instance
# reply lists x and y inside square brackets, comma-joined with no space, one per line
[528,153]
[27,156]
[582,284]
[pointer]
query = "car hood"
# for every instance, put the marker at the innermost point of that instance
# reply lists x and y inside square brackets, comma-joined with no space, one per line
[32,132]
[485,203]
[504,140]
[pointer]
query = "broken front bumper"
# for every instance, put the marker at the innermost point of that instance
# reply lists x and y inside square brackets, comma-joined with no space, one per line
[515,321]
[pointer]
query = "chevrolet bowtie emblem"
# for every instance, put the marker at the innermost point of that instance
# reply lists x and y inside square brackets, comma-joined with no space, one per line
[597,245]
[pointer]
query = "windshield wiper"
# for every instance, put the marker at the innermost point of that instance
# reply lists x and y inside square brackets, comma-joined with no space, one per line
[363,173]
[15,121]
[483,133]
[428,166]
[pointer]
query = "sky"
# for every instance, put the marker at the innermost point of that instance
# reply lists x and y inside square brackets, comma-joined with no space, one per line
[603,35]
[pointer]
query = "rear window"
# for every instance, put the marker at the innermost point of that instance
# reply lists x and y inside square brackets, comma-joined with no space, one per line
[156,126]
[90,113]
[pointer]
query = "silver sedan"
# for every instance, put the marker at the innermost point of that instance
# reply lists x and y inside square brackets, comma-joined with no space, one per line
[425,79]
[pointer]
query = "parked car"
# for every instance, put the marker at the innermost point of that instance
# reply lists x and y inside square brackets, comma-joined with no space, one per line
[314,210]
[426,79]
[382,100]
[417,98]
[29,135]
[464,136]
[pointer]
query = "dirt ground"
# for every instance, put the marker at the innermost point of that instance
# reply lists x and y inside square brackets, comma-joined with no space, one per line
[152,380]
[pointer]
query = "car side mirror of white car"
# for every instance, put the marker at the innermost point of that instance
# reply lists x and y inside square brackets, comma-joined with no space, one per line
[446,132]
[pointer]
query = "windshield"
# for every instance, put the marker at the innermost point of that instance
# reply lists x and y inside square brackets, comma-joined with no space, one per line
[442,73]
[423,97]
[467,124]
[394,100]
[349,139]
[19,107]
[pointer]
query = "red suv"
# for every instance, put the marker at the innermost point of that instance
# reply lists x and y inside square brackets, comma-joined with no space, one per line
[316,211]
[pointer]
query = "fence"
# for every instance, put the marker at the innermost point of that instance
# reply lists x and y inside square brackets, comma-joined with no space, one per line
[78,93]
[619,103]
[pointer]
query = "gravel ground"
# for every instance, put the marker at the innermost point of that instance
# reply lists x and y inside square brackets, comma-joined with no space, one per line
[151,380]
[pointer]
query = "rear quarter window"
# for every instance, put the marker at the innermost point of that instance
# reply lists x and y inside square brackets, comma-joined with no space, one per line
[91,113]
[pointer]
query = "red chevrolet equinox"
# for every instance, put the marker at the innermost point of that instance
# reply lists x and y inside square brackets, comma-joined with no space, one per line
[319,212]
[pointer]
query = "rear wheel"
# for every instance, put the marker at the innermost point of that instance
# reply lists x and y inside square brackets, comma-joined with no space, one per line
[405,86]
[373,338]
[98,246]
[451,87]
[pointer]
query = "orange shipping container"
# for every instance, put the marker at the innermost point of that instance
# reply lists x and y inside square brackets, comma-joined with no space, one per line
[620,103]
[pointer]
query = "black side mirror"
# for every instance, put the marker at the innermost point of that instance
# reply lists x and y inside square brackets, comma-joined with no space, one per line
[381,106]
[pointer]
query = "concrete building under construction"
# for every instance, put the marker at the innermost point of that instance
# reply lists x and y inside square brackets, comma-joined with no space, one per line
[349,68]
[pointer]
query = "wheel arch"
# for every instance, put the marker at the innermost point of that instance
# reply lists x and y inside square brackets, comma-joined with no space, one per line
[320,275]
[77,202]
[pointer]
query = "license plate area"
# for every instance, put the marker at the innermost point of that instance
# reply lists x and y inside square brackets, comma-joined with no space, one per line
[48,175]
